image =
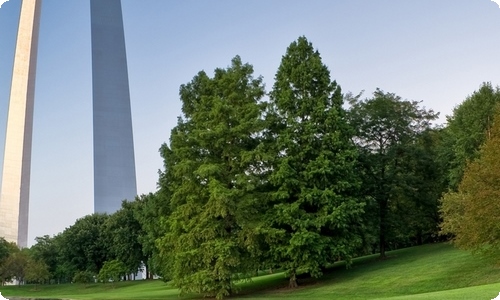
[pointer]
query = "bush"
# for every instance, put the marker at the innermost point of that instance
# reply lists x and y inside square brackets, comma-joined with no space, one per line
[112,271]
[83,277]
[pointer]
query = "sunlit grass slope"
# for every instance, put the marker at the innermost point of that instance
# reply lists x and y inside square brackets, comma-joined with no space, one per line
[427,272]
[406,272]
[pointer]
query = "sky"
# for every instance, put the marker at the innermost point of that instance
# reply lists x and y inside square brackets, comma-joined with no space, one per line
[435,51]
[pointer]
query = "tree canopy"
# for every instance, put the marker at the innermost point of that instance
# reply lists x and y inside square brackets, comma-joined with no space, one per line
[470,215]
[387,130]
[468,128]
[313,206]
[209,238]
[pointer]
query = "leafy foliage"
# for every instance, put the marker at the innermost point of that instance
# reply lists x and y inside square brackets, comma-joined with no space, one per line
[468,128]
[123,230]
[7,249]
[313,206]
[36,271]
[209,236]
[4,249]
[112,270]
[84,245]
[83,277]
[471,214]
[46,250]
[148,211]
[387,133]
[15,266]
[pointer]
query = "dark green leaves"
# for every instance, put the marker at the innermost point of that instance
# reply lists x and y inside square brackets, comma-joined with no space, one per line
[388,133]
[314,184]
[211,181]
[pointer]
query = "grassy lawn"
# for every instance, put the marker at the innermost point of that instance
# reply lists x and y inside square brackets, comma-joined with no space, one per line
[427,272]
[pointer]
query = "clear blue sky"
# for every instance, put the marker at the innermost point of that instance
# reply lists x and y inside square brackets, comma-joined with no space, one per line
[438,51]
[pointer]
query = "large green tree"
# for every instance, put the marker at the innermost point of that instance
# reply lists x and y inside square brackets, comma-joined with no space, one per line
[313,211]
[209,239]
[388,130]
[471,214]
[467,129]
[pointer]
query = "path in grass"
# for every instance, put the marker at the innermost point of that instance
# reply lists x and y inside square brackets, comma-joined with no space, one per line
[425,272]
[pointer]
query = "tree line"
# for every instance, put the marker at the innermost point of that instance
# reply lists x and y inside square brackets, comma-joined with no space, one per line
[291,179]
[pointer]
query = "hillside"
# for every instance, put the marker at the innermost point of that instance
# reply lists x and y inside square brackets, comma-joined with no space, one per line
[436,271]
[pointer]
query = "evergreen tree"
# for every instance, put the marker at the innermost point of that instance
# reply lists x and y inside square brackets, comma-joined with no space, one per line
[313,212]
[210,164]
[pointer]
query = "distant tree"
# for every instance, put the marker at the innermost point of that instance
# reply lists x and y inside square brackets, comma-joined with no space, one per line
[45,250]
[388,130]
[6,249]
[84,246]
[83,277]
[15,266]
[124,231]
[36,272]
[470,215]
[149,210]
[112,270]
[209,235]
[313,209]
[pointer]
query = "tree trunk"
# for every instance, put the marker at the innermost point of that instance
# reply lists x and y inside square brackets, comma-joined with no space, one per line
[419,238]
[148,273]
[383,227]
[293,280]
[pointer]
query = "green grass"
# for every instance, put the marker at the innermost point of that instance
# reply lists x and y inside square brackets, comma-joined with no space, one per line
[427,272]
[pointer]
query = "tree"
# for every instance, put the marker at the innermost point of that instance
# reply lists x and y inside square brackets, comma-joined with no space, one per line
[45,250]
[84,245]
[209,235]
[15,266]
[124,231]
[36,271]
[467,129]
[112,270]
[313,209]
[84,277]
[148,211]
[387,133]
[470,215]
[65,269]
[6,250]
